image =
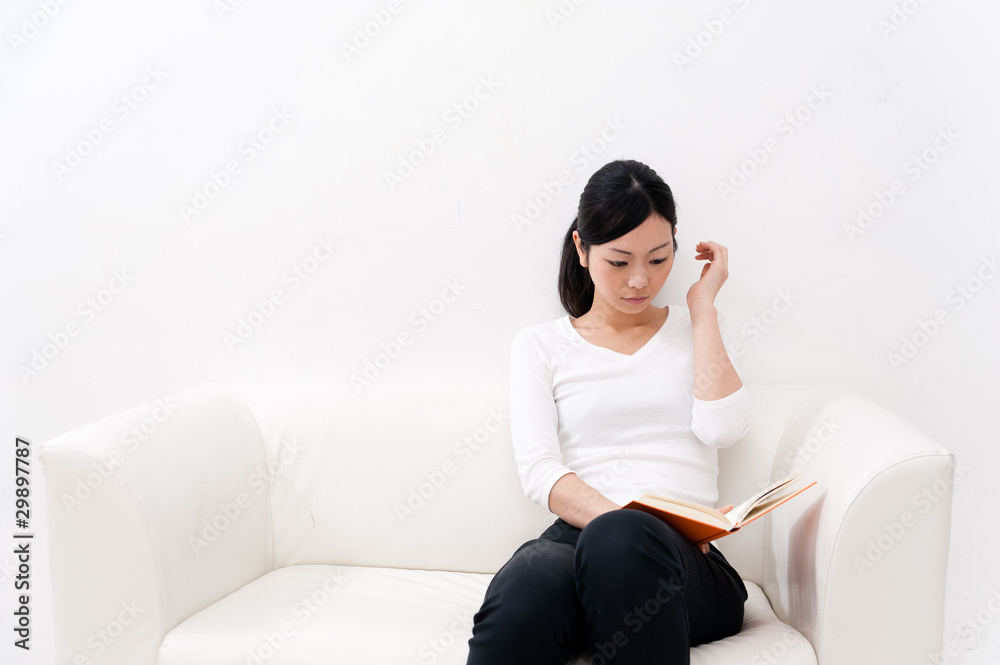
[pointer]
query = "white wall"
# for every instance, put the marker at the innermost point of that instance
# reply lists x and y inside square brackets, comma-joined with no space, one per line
[880,99]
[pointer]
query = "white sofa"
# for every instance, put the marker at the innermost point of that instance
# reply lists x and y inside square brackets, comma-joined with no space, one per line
[281,524]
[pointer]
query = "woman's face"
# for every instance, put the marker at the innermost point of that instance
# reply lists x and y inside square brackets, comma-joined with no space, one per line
[629,272]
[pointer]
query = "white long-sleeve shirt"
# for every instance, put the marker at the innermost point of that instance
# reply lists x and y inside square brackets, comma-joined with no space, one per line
[624,424]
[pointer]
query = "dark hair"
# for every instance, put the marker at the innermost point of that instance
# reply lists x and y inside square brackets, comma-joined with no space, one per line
[617,199]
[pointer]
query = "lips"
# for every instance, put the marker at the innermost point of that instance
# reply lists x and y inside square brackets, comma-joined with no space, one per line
[636,301]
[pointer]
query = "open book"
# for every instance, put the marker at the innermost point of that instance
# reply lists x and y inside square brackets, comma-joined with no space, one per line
[702,524]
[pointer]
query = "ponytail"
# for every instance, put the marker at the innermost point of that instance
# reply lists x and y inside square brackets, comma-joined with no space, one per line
[576,288]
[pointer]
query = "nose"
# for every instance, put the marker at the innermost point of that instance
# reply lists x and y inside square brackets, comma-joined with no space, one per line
[637,279]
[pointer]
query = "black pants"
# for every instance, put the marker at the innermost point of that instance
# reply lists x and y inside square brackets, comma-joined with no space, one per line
[626,590]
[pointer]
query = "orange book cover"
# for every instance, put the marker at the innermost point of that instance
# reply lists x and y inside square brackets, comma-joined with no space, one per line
[701,524]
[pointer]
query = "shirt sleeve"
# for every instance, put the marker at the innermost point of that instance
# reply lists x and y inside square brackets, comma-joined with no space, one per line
[534,422]
[720,423]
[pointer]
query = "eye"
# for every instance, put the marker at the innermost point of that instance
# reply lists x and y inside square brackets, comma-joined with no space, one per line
[621,264]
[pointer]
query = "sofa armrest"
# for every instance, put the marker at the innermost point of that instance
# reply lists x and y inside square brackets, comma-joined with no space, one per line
[857,564]
[152,515]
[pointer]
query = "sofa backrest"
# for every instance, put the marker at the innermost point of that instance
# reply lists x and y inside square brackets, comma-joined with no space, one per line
[424,476]
[418,477]
[404,476]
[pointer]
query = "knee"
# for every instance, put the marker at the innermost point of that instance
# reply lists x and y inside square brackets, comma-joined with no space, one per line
[537,581]
[618,530]
[622,536]
[531,612]
[618,522]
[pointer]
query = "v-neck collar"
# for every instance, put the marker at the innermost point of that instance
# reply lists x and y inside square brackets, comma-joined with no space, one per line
[671,315]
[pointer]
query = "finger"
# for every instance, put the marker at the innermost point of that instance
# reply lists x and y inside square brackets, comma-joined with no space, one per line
[712,249]
[703,548]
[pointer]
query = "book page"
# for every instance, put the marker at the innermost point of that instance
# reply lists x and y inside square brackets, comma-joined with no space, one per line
[739,513]
[772,501]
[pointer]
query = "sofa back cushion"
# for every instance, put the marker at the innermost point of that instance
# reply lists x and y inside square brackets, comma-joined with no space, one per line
[418,476]
[423,476]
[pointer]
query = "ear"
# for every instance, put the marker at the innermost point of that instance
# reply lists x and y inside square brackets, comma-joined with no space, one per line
[579,251]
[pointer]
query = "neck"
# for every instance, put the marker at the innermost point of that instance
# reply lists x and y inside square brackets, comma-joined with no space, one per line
[603,314]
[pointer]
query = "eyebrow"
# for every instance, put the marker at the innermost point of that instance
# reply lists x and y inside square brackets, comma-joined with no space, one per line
[630,253]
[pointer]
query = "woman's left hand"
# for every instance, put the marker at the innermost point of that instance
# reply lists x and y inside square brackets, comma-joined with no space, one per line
[713,274]
[723,510]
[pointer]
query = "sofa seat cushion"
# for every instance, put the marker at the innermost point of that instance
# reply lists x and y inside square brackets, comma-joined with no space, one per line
[326,615]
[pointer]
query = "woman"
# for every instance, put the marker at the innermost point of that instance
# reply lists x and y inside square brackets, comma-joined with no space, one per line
[615,399]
